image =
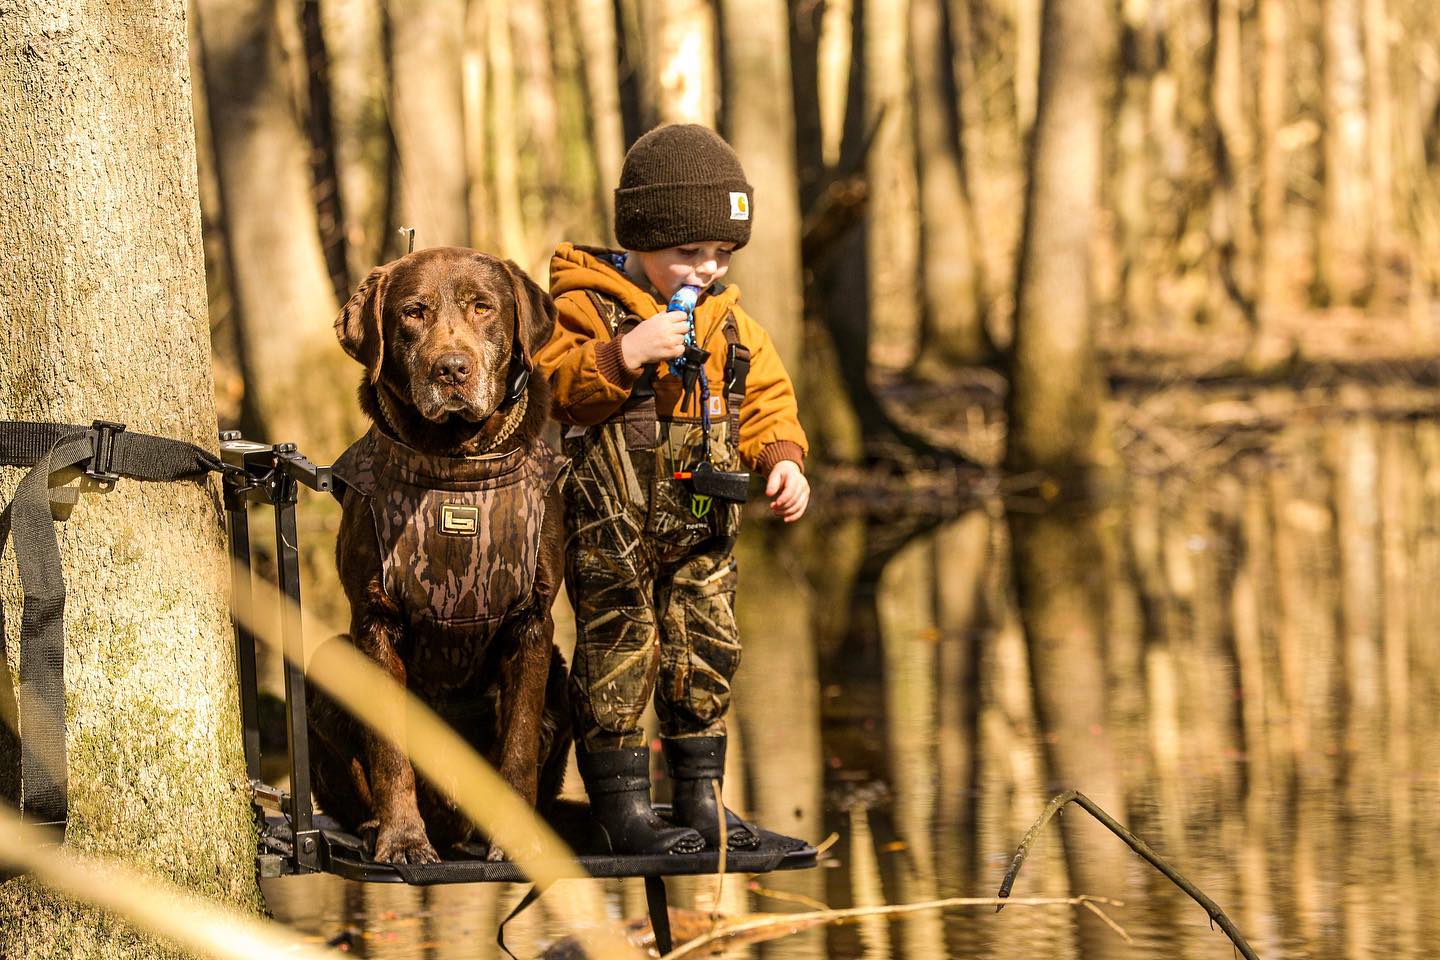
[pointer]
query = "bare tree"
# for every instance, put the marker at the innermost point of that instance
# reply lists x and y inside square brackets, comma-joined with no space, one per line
[99,206]
[1343,227]
[355,44]
[952,331]
[892,212]
[428,119]
[762,130]
[682,80]
[1055,429]
[284,304]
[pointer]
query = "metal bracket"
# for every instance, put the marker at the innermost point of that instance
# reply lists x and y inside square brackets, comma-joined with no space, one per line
[102,442]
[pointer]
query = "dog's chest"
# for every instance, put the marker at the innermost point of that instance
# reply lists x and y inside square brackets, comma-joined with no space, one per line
[459,544]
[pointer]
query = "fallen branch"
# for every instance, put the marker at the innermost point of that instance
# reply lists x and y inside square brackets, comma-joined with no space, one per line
[796,922]
[1135,843]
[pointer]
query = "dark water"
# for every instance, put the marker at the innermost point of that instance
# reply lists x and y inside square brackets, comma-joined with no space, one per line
[1273,667]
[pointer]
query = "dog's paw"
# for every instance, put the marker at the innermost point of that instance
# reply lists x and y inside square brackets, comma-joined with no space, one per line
[496,853]
[403,843]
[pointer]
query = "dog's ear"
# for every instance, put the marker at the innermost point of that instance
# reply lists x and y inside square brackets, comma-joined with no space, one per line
[537,312]
[360,324]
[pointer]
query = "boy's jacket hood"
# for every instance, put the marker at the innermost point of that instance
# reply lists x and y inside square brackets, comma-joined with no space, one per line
[578,268]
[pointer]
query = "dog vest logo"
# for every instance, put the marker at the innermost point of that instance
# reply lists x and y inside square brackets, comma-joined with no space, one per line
[459,520]
[739,206]
[700,505]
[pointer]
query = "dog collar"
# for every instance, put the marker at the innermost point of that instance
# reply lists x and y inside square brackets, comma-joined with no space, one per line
[514,416]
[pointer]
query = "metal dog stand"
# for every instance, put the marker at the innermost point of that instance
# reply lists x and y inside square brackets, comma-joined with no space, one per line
[294,839]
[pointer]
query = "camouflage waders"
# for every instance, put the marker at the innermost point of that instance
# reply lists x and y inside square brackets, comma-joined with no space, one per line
[650,570]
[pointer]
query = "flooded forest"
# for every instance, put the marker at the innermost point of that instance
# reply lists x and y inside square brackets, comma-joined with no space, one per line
[1116,333]
[1217,534]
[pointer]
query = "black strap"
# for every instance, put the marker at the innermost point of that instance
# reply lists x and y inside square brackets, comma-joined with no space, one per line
[530,897]
[106,452]
[737,369]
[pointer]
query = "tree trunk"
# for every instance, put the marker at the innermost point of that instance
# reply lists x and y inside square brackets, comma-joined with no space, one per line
[682,85]
[1343,226]
[762,131]
[98,190]
[355,44]
[542,179]
[1055,410]
[1381,144]
[892,254]
[952,332]
[1270,280]
[428,120]
[596,34]
[504,147]
[1231,229]
[295,375]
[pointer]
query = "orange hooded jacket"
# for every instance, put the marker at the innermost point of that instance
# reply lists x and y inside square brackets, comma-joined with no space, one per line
[589,380]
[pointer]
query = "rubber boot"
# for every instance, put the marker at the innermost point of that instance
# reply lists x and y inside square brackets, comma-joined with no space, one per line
[694,764]
[618,782]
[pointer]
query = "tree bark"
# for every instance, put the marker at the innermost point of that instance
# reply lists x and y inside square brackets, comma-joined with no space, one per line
[542,181]
[596,33]
[98,192]
[1270,209]
[294,372]
[504,147]
[1343,228]
[1055,411]
[428,120]
[952,331]
[762,131]
[892,254]
[1231,227]
[355,44]
[682,83]
[1381,147]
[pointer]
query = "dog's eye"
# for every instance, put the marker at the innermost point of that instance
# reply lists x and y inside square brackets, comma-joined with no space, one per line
[480,308]
[415,311]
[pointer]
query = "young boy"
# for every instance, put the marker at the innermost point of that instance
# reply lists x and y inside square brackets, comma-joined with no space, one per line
[649,563]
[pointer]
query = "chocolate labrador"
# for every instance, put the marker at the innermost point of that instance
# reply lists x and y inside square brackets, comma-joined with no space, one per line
[450,543]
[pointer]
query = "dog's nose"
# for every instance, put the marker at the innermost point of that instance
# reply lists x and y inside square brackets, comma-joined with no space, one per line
[451,368]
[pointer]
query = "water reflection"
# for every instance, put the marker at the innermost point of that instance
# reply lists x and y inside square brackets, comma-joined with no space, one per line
[1271,665]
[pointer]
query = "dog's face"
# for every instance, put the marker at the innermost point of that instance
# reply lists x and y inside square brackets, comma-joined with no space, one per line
[437,327]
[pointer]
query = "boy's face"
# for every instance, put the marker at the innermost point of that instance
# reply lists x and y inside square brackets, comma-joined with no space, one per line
[699,264]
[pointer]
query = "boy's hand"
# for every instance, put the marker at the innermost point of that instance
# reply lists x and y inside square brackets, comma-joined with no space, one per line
[788,490]
[662,337]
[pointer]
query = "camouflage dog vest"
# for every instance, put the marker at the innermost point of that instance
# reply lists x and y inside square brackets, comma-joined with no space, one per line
[459,541]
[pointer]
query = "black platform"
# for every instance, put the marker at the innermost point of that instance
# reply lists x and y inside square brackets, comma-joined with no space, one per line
[344,855]
[272,475]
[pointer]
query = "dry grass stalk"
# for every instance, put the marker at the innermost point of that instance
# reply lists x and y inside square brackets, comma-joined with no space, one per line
[791,923]
[155,906]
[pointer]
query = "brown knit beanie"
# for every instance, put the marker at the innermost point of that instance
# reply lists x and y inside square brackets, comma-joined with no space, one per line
[682,183]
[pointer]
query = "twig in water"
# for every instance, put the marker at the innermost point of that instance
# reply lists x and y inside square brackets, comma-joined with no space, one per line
[787,896]
[1135,843]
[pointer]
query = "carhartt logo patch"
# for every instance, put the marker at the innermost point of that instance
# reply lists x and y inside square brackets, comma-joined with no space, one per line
[739,206]
[717,405]
[459,520]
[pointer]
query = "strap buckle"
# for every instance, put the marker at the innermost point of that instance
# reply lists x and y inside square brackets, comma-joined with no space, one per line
[102,460]
[737,367]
